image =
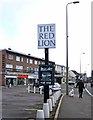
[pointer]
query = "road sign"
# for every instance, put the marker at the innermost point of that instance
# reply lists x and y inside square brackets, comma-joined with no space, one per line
[36,72]
[46,74]
[46,36]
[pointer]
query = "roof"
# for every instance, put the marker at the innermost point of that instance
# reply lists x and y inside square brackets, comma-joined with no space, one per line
[19,53]
[72,74]
[75,72]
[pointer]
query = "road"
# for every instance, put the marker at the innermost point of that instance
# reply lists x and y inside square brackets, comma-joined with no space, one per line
[18,103]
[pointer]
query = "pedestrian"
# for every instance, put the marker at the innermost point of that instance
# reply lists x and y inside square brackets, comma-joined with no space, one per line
[80,86]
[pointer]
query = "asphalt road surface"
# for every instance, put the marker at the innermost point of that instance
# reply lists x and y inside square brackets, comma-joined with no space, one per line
[18,103]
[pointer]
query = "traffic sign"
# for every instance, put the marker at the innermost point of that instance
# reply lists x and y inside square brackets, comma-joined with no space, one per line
[46,36]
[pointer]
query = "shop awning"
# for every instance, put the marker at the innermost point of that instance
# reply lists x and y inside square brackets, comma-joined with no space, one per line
[10,76]
[30,77]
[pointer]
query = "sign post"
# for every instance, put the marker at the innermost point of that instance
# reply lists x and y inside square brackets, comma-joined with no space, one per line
[46,86]
[46,40]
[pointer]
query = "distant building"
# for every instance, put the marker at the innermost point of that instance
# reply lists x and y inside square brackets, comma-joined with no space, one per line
[59,73]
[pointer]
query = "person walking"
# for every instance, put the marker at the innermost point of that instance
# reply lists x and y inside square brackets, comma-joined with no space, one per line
[80,86]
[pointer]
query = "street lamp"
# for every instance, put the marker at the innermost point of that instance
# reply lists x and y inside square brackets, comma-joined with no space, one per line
[80,61]
[67,44]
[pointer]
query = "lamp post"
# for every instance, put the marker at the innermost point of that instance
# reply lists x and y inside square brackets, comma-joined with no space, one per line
[80,61]
[67,44]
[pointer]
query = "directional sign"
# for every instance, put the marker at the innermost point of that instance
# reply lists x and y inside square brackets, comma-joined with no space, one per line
[46,74]
[46,36]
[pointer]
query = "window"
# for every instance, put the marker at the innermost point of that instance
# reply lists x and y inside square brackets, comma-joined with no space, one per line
[17,58]
[27,60]
[35,69]
[9,66]
[38,62]
[10,57]
[43,62]
[31,61]
[21,59]
[31,69]
[35,62]
[19,68]
[28,69]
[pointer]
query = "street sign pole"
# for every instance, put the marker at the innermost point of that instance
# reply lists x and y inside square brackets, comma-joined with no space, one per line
[46,86]
[46,40]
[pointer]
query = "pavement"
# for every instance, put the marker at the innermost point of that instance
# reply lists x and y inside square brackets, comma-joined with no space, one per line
[75,107]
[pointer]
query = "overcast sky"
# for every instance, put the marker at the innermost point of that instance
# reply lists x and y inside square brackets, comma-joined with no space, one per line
[18,29]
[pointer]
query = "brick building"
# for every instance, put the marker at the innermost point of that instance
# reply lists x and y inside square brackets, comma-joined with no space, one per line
[18,68]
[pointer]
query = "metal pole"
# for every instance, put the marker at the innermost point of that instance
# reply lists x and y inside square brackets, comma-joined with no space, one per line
[80,62]
[67,44]
[66,50]
[46,87]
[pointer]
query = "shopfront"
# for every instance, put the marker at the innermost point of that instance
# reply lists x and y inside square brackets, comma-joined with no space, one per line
[22,79]
[10,79]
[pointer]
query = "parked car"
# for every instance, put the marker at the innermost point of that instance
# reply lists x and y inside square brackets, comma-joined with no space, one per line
[54,87]
[70,82]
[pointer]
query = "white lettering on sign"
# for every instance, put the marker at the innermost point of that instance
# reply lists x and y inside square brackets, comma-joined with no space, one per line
[46,36]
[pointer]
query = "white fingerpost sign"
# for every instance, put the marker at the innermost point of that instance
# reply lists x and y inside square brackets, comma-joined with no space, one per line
[46,36]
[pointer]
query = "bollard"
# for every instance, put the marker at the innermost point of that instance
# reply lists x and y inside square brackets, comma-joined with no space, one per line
[28,88]
[71,93]
[52,99]
[10,85]
[34,89]
[41,89]
[50,104]
[40,114]
[46,110]
[50,92]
